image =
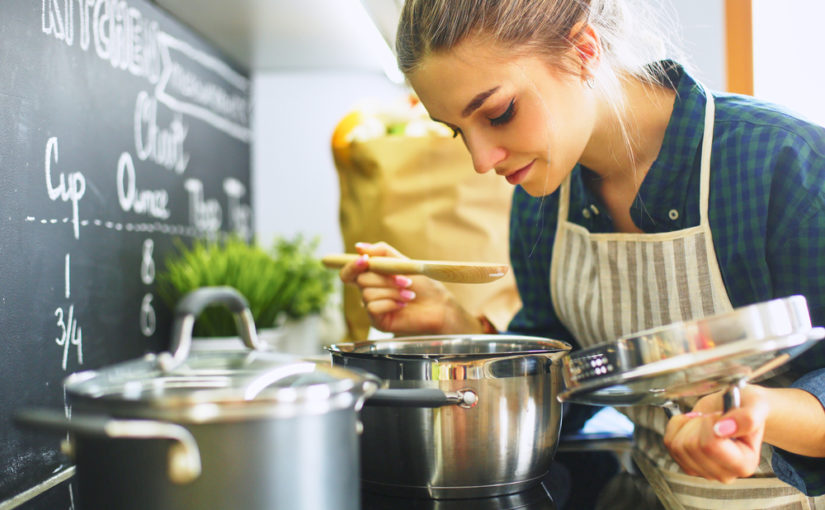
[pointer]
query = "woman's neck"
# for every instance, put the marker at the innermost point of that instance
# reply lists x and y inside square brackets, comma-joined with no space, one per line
[627,140]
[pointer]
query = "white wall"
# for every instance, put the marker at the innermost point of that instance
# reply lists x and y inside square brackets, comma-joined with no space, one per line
[295,186]
[701,26]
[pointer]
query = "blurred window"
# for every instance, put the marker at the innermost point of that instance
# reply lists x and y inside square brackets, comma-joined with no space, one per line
[787,63]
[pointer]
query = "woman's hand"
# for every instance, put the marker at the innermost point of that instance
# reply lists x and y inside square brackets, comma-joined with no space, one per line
[718,446]
[405,305]
[723,447]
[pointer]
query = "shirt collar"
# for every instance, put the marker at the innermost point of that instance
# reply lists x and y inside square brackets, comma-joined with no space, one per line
[663,188]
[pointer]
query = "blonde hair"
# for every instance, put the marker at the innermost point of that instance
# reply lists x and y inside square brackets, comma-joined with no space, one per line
[631,34]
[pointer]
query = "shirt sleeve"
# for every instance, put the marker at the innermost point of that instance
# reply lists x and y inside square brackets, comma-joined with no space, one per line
[805,473]
[796,258]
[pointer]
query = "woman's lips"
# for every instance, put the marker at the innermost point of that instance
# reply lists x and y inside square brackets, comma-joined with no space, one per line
[520,174]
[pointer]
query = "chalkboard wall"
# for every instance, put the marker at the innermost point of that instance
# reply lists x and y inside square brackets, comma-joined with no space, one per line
[120,130]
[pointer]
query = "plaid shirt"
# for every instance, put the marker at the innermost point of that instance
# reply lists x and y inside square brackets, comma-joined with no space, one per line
[766,213]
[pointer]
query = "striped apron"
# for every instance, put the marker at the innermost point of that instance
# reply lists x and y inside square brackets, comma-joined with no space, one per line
[609,285]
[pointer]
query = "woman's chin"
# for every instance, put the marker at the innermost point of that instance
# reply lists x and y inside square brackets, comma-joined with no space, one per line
[540,189]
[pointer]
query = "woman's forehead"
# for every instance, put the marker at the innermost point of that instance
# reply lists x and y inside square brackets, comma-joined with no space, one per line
[457,76]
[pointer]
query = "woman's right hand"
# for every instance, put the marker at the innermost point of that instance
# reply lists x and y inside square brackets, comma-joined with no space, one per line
[405,304]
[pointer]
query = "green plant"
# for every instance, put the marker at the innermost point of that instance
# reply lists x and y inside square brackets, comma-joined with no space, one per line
[285,281]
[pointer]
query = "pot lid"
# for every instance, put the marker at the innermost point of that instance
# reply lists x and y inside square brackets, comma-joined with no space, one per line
[213,385]
[692,358]
[219,385]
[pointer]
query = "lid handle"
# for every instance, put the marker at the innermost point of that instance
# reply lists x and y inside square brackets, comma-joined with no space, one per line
[188,310]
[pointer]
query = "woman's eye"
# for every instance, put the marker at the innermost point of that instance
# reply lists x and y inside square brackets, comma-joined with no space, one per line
[456,131]
[505,117]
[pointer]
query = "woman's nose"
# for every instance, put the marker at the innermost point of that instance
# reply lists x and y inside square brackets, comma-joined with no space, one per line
[485,153]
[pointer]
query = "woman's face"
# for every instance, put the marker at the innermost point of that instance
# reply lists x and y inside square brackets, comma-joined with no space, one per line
[525,119]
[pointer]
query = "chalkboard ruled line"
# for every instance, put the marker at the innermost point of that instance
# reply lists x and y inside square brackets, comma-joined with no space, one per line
[37,490]
[163,228]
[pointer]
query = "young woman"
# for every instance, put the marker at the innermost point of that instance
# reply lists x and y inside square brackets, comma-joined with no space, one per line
[641,199]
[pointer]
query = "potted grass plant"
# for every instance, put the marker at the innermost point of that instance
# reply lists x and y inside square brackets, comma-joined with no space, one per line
[286,286]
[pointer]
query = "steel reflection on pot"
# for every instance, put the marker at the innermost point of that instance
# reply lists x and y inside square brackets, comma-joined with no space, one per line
[503,443]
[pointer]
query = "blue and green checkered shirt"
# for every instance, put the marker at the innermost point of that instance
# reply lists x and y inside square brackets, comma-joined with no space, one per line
[766,212]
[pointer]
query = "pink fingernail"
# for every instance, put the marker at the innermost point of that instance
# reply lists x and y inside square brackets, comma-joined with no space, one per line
[362,261]
[407,295]
[725,428]
[363,245]
[693,414]
[401,304]
[402,281]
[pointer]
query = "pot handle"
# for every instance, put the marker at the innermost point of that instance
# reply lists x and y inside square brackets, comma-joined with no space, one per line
[184,464]
[422,397]
[188,310]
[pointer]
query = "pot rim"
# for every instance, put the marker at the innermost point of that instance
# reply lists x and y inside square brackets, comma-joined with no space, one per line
[415,347]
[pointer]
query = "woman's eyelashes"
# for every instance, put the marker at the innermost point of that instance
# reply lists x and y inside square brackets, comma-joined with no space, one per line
[505,117]
[502,119]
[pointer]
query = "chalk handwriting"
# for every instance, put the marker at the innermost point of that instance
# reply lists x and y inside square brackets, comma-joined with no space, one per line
[148,320]
[69,188]
[149,202]
[147,263]
[163,146]
[205,215]
[240,215]
[57,20]
[221,101]
[70,335]
[121,35]
[68,279]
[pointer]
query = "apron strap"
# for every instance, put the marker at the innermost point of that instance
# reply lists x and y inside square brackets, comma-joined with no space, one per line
[707,144]
[564,201]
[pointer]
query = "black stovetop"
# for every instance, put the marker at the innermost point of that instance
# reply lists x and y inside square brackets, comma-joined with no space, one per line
[535,498]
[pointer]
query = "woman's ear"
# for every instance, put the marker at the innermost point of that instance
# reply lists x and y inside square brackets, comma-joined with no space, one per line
[588,47]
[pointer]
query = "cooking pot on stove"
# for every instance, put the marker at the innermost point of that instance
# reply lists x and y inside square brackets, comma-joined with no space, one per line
[491,427]
[214,429]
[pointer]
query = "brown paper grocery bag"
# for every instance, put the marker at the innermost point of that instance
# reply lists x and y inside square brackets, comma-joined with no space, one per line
[422,196]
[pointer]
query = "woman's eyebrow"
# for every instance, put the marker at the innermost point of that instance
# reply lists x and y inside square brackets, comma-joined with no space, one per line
[477,102]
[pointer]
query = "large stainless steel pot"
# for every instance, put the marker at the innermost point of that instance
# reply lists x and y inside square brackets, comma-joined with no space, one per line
[499,441]
[214,430]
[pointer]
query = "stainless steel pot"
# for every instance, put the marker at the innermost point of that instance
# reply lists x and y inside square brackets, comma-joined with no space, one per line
[214,429]
[498,438]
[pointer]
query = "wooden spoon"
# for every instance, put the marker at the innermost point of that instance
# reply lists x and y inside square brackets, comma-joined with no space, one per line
[457,272]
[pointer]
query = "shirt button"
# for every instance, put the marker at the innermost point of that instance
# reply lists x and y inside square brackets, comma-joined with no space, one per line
[673,214]
[586,213]
[594,208]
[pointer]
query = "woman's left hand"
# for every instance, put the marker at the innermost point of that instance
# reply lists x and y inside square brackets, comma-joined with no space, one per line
[718,446]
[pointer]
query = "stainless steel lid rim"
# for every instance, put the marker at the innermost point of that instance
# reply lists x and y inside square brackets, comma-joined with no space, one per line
[677,363]
[451,346]
[445,358]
